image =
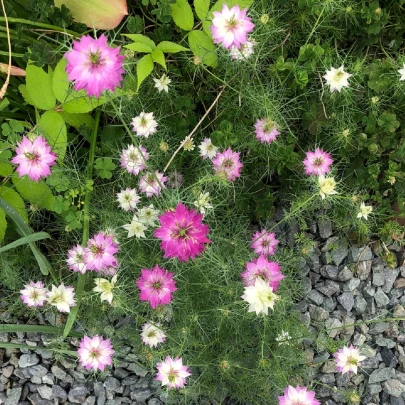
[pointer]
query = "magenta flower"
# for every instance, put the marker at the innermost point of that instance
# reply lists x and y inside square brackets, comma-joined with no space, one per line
[348,359]
[182,233]
[95,353]
[76,260]
[35,158]
[298,396]
[156,286]
[264,269]
[228,163]
[151,184]
[231,26]
[94,66]
[317,163]
[132,160]
[266,130]
[100,252]
[172,373]
[34,294]
[264,243]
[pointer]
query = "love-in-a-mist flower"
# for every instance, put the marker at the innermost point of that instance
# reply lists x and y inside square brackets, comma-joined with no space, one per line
[203,202]
[128,199]
[151,184]
[264,269]
[144,124]
[162,83]
[298,396]
[266,130]
[174,179]
[244,52]
[348,359]
[402,73]
[34,159]
[135,228]
[172,373]
[326,186]
[105,287]
[62,297]
[76,259]
[318,162]
[228,164]
[156,286]
[148,215]
[182,233]
[207,149]
[95,353]
[337,78]
[264,243]
[152,334]
[260,297]
[94,66]
[100,252]
[132,160]
[365,211]
[231,26]
[34,294]
[283,338]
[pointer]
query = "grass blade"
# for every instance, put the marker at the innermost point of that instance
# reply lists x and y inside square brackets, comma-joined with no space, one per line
[26,239]
[7,328]
[5,345]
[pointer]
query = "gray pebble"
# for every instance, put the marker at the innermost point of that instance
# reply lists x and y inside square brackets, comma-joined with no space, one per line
[346,300]
[13,396]
[380,375]
[28,360]
[394,387]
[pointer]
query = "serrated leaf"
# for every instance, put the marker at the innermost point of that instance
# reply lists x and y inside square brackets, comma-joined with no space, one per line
[203,46]
[143,39]
[78,120]
[37,193]
[201,8]
[53,127]
[24,92]
[139,47]
[230,3]
[3,224]
[14,199]
[159,57]
[144,68]
[182,15]
[170,47]
[39,88]
[60,82]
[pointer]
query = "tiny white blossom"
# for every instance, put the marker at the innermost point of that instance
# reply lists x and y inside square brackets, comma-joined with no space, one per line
[245,51]
[337,78]
[128,199]
[105,287]
[326,186]
[283,338]
[144,124]
[365,211]
[207,149]
[148,215]
[162,83]
[203,202]
[260,297]
[402,73]
[135,228]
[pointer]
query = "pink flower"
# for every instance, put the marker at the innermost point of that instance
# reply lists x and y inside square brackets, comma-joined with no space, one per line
[298,396]
[152,184]
[182,233]
[264,243]
[318,162]
[262,268]
[156,286]
[172,372]
[76,260]
[94,66]
[228,163]
[347,359]
[95,353]
[34,158]
[231,26]
[132,160]
[266,130]
[100,252]
[34,294]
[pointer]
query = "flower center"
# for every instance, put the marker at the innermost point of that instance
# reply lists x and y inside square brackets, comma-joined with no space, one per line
[157,285]
[269,126]
[318,161]
[97,250]
[265,243]
[144,122]
[95,58]
[151,334]
[228,164]
[94,353]
[58,298]
[232,22]
[31,156]
[352,361]
[35,295]
[172,375]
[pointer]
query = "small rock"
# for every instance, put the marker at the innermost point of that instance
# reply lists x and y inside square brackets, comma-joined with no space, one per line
[329,271]
[48,379]
[346,300]
[60,374]
[380,375]
[359,254]
[139,371]
[7,371]
[390,277]
[363,269]
[394,388]
[316,297]
[132,379]
[78,394]
[345,274]
[329,304]
[329,367]
[399,311]
[38,371]
[45,391]
[155,401]
[381,298]
[37,400]
[329,288]
[120,373]
[28,360]
[374,388]
[141,395]
[399,283]
[369,291]
[99,391]
[332,326]
[111,384]
[59,392]
[397,401]
[317,313]
[388,357]
[13,396]
[385,342]
[360,305]
[325,228]
[378,278]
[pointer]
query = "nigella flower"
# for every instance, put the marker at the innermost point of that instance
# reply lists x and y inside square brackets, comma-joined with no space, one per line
[182,233]
[337,78]
[228,164]
[34,158]
[135,228]
[172,373]
[156,286]
[105,287]
[76,260]
[144,124]
[152,335]
[298,396]
[148,215]
[402,73]
[203,202]
[348,359]
[283,338]
[174,179]
[162,84]
[207,149]
[151,184]
[132,160]
[231,26]
[34,294]
[94,66]
[264,269]
[100,252]
[128,199]
[326,186]
[317,162]
[62,297]
[264,243]
[260,297]
[95,353]
[365,211]
[266,130]
[245,51]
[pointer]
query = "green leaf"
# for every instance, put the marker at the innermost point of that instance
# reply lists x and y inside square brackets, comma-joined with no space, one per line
[143,39]
[183,15]
[78,120]
[3,224]
[5,155]
[60,82]
[37,193]
[230,3]
[103,166]
[159,57]
[170,47]
[12,328]
[14,199]
[201,8]
[203,47]
[6,345]
[78,102]
[25,239]
[25,94]
[144,68]
[53,127]
[39,88]
[139,47]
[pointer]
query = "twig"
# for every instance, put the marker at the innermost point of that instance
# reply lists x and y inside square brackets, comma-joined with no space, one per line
[323,89]
[282,43]
[5,85]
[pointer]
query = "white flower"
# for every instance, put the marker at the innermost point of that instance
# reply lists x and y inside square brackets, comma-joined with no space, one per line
[365,211]
[260,296]
[62,298]
[162,83]
[402,73]
[207,149]
[135,228]
[105,287]
[148,215]
[144,124]
[326,186]
[203,202]
[245,51]
[337,78]
[392,180]
[188,144]
[151,335]
[128,199]
[283,338]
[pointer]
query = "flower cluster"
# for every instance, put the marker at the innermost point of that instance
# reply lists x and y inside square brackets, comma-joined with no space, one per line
[141,221]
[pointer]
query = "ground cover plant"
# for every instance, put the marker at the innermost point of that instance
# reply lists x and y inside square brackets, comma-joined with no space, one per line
[143,153]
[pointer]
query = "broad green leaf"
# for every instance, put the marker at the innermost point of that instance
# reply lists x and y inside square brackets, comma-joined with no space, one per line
[230,3]
[203,46]
[39,88]
[37,193]
[25,94]
[79,102]
[170,47]
[3,224]
[201,8]
[183,15]
[144,68]
[24,240]
[159,57]
[14,199]
[78,120]
[60,82]
[53,127]
[143,39]
[139,47]
[5,155]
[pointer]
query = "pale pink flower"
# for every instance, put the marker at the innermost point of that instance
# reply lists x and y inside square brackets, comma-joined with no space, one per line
[76,260]
[34,294]
[348,359]
[94,66]
[34,158]
[128,199]
[132,160]
[62,297]
[298,396]
[266,130]
[207,149]
[152,335]
[228,164]
[182,233]
[100,252]
[144,124]
[264,243]
[95,353]
[231,26]
[156,286]
[172,373]
[318,162]
[151,184]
